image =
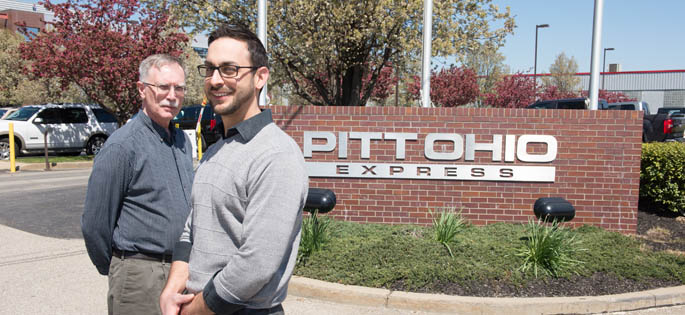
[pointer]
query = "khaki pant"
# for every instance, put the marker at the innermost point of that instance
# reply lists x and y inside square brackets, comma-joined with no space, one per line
[135,286]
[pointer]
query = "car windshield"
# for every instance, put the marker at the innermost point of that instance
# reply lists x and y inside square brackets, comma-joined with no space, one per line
[23,114]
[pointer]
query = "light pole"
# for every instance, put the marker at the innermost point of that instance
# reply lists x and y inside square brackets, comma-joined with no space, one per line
[535,64]
[604,64]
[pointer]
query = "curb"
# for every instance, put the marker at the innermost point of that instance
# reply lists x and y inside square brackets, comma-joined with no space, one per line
[5,166]
[439,303]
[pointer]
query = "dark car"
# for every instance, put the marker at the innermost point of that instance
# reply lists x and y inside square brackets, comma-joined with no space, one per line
[567,103]
[671,110]
[187,119]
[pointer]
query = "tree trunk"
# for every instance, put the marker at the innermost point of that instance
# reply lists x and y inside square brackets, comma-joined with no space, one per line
[351,86]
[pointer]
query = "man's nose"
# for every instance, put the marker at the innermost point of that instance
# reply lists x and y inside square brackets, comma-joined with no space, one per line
[216,79]
[172,94]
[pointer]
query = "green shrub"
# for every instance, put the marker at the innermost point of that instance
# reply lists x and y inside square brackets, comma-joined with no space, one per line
[662,175]
[314,235]
[446,224]
[407,257]
[549,248]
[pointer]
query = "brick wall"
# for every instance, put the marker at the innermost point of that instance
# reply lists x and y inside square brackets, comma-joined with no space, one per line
[31,19]
[597,165]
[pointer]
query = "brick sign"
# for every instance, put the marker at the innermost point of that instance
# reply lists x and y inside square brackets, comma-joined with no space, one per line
[394,164]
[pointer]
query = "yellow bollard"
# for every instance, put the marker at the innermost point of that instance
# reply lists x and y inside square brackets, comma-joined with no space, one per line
[199,144]
[198,129]
[12,153]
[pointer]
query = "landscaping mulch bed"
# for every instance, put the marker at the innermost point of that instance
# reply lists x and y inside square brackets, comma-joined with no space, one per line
[659,231]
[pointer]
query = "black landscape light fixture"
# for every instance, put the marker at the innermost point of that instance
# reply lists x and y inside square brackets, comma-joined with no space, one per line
[604,64]
[320,200]
[551,209]
[535,63]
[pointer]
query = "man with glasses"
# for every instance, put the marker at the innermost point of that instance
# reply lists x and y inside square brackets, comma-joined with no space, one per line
[239,246]
[138,194]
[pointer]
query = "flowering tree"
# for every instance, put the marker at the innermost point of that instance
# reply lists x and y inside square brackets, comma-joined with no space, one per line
[612,97]
[348,41]
[383,84]
[98,45]
[449,87]
[514,91]
[552,92]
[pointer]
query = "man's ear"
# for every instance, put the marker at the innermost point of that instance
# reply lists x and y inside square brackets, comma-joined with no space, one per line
[141,89]
[260,77]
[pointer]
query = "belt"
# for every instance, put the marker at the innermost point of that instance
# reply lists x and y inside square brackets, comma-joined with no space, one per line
[144,256]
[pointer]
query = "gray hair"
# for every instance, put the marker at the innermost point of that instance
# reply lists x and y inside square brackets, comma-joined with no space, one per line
[158,61]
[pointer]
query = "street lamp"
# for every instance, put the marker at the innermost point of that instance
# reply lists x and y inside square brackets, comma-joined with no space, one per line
[603,64]
[535,65]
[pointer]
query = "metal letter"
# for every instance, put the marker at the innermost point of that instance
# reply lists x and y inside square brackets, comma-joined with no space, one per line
[366,138]
[510,148]
[456,139]
[400,143]
[495,147]
[396,169]
[368,169]
[342,146]
[524,156]
[309,145]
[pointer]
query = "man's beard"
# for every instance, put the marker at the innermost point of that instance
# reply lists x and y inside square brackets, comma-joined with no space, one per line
[240,99]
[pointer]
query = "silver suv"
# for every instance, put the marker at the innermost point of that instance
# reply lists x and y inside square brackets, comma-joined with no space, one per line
[71,128]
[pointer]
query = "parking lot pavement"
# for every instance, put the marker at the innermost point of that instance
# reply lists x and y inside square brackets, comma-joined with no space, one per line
[42,275]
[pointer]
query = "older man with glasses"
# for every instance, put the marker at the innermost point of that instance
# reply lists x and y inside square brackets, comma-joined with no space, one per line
[139,193]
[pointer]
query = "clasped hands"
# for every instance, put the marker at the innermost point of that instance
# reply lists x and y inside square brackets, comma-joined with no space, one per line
[184,304]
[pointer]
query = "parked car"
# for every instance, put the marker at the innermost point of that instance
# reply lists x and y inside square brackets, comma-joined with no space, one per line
[71,128]
[662,126]
[567,103]
[187,119]
[6,111]
[671,110]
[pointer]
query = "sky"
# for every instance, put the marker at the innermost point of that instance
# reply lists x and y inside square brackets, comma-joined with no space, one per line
[645,35]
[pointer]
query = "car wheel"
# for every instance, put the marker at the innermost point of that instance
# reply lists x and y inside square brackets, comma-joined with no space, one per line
[5,149]
[95,144]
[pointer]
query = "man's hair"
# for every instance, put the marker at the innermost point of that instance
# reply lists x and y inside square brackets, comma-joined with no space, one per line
[157,61]
[258,56]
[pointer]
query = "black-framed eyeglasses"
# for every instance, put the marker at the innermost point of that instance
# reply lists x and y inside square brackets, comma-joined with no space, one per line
[226,71]
[166,88]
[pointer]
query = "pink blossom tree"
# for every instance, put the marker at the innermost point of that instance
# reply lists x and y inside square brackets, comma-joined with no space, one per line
[449,87]
[513,91]
[98,45]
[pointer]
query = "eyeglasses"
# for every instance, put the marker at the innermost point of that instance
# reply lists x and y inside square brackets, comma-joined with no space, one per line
[165,88]
[226,71]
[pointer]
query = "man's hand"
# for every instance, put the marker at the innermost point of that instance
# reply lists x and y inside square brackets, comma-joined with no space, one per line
[171,303]
[171,300]
[196,307]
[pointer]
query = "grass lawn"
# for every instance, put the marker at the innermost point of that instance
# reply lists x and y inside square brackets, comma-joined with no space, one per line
[54,159]
[409,258]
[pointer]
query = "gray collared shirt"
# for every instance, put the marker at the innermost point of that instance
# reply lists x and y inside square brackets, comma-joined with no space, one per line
[139,192]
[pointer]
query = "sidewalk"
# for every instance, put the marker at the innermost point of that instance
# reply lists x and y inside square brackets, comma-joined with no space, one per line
[5,166]
[42,275]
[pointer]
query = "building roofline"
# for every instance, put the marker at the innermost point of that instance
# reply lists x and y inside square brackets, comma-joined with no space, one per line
[607,72]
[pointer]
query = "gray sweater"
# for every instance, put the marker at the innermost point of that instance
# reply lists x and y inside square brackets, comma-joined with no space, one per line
[242,235]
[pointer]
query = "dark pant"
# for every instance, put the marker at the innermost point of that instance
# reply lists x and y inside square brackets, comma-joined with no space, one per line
[276,310]
[135,286]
